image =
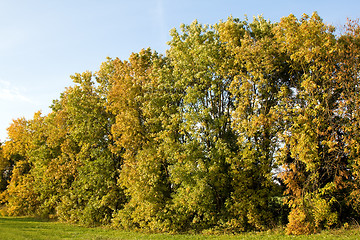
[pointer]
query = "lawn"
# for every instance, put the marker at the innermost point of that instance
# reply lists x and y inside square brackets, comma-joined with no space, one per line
[30,228]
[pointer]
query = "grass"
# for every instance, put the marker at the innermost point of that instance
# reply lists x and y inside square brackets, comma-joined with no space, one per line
[30,228]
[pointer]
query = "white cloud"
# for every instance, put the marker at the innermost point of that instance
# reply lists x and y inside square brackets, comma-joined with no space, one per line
[11,93]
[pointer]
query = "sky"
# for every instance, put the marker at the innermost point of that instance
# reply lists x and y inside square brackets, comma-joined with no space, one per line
[43,42]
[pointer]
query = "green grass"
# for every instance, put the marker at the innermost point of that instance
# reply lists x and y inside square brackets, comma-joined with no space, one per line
[30,228]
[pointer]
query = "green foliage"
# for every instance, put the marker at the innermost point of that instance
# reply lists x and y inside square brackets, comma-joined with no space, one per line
[206,140]
[93,194]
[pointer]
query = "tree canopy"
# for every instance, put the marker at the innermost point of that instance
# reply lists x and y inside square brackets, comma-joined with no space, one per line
[241,125]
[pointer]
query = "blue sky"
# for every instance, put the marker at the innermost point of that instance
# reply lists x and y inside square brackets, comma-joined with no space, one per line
[43,42]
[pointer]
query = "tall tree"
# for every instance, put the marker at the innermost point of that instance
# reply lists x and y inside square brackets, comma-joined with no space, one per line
[140,101]
[314,159]
[260,71]
[94,194]
[200,170]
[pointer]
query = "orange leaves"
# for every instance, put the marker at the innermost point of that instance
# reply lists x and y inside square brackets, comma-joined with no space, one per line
[299,222]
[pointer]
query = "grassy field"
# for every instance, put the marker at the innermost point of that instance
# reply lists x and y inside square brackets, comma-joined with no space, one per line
[29,228]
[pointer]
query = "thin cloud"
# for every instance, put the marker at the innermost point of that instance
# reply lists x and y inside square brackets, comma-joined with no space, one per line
[9,93]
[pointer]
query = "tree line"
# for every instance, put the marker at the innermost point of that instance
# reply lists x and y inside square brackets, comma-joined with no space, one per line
[242,125]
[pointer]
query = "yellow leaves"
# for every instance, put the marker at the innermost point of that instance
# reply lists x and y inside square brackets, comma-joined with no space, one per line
[308,41]
[322,213]
[129,85]
[231,32]
[299,223]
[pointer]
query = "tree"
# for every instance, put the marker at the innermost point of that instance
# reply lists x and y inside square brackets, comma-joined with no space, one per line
[313,157]
[25,136]
[347,73]
[93,194]
[206,141]
[260,72]
[141,102]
